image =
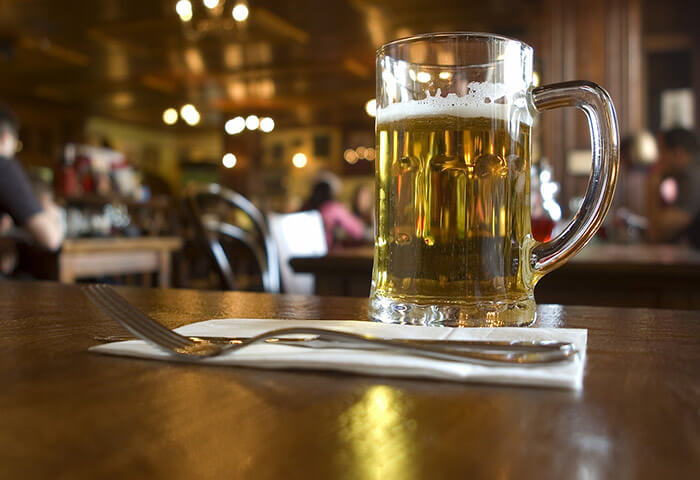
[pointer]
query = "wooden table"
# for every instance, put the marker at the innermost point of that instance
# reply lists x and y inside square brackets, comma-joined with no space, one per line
[67,413]
[651,276]
[90,257]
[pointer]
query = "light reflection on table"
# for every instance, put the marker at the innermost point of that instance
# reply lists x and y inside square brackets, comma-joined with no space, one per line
[379,435]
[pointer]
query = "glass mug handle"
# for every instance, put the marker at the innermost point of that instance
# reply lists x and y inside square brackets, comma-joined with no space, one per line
[595,102]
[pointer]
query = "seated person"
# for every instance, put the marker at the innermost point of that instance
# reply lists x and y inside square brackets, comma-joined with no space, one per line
[363,203]
[673,193]
[337,219]
[17,199]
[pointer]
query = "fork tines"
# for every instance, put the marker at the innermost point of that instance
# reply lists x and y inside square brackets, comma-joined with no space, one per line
[133,319]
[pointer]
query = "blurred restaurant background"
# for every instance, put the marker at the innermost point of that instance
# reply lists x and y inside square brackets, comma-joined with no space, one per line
[179,140]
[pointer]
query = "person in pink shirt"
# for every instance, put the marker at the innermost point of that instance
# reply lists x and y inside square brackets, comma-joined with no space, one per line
[338,221]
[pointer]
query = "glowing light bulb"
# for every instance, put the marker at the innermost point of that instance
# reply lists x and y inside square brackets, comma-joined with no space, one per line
[190,114]
[267,124]
[211,3]
[445,75]
[229,160]
[194,119]
[235,125]
[299,160]
[252,122]
[240,12]
[187,110]
[184,10]
[423,77]
[350,156]
[170,116]
[371,107]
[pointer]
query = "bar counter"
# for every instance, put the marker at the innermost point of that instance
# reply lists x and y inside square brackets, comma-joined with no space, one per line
[649,276]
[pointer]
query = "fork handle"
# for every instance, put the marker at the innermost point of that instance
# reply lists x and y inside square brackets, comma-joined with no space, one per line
[352,340]
[468,345]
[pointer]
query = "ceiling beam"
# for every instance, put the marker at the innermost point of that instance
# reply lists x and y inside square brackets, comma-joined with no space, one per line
[54,50]
[276,24]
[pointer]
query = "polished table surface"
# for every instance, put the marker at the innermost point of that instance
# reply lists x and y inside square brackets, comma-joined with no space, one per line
[67,413]
[661,276]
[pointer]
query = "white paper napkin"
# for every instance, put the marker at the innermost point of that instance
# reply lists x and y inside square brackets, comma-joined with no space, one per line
[373,362]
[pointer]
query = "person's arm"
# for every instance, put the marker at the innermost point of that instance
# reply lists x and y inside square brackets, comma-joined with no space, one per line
[5,224]
[18,199]
[8,249]
[45,228]
[345,219]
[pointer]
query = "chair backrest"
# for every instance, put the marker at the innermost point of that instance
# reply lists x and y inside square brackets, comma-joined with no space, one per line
[212,229]
[297,235]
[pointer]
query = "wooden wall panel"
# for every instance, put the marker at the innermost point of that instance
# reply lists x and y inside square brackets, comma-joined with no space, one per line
[45,129]
[597,40]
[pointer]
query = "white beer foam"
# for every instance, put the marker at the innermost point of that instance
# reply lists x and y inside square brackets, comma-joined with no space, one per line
[482,100]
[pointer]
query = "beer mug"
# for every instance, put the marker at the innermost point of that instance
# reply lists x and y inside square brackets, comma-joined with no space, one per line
[454,121]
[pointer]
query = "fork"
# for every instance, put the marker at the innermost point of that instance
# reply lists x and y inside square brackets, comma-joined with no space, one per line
[193,348]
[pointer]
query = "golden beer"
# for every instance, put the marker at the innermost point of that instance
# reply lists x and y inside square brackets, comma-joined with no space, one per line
[453,220]
[453,243]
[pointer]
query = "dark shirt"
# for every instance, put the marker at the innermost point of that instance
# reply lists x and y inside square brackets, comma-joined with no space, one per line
[17,198]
